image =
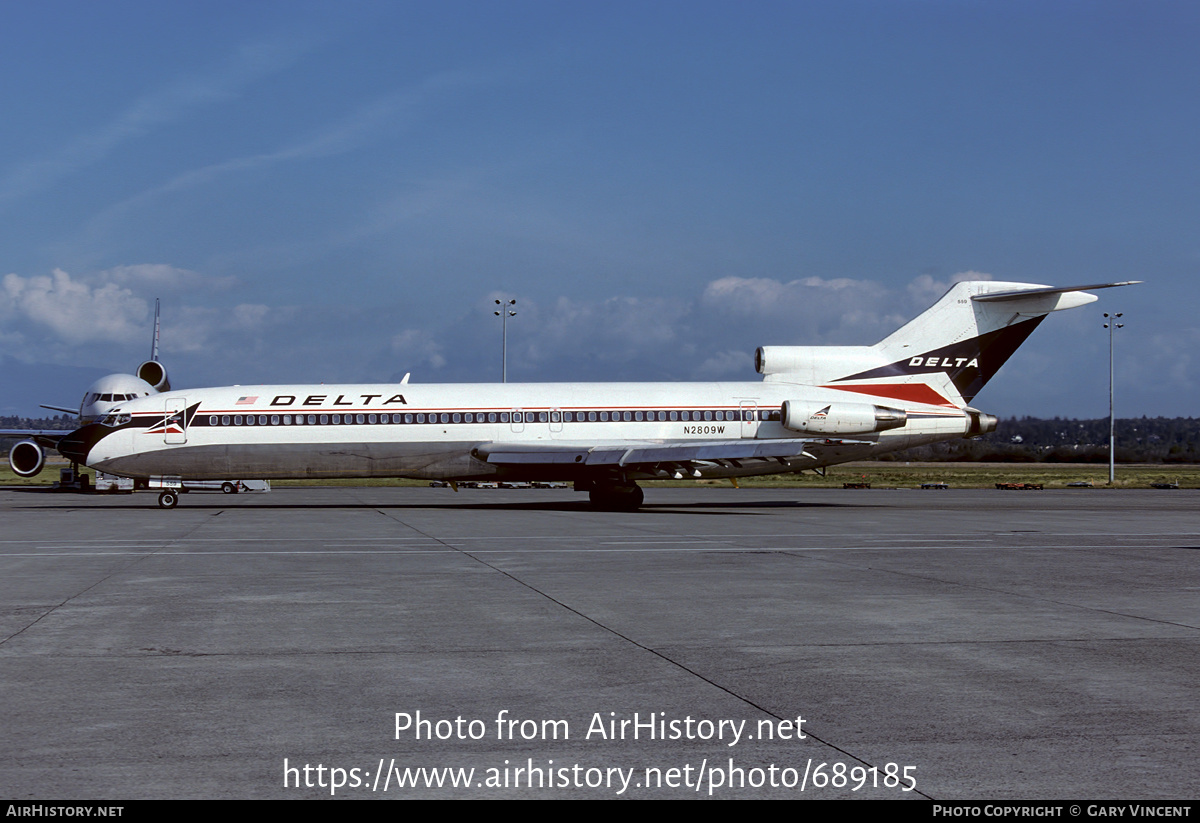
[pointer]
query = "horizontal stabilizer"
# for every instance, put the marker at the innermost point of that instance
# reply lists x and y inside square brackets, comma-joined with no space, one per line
[946,355]
[997,297]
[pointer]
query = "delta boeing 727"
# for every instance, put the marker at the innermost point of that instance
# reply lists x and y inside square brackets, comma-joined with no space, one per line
[815,406]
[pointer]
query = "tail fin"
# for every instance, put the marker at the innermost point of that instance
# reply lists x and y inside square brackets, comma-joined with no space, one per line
[945,355]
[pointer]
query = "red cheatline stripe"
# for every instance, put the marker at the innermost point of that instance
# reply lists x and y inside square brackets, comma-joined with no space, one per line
[910,392]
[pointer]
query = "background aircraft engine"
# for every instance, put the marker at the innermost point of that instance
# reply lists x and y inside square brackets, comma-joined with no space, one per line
[840,418]
[26,458]
[155,374]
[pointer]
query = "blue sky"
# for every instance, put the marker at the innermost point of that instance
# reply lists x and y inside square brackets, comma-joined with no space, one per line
[338,192]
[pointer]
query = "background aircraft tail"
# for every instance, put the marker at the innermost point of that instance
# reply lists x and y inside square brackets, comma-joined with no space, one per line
[944,356]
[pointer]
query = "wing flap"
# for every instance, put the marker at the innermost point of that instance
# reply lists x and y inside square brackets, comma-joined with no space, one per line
[641,453]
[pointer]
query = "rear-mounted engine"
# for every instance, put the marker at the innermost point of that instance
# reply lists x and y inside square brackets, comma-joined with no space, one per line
[840,418]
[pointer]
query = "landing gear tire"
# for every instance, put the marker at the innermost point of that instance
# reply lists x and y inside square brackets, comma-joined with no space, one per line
[228,488]
[617,498]
[168,500]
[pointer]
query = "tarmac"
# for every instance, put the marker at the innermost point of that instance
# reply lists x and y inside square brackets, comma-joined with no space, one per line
[730,643]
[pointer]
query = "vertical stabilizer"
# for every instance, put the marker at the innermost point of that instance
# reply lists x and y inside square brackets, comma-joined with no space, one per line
[154,342]
[945,355]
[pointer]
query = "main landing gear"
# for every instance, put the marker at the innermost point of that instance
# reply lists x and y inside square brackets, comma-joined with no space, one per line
[608,497]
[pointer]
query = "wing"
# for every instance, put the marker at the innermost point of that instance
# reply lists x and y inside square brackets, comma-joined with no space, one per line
[46,437]
[656,456]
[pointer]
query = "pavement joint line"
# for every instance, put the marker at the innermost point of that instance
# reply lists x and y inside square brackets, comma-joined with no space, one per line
[138,557]
[662,656]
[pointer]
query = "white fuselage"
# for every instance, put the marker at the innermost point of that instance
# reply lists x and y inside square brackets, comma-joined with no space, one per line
[434,431]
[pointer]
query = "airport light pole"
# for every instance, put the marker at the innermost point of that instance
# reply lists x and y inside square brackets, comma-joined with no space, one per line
[1112,325]
[504,312]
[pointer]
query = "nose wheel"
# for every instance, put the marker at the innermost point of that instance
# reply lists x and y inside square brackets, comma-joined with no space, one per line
[168,500]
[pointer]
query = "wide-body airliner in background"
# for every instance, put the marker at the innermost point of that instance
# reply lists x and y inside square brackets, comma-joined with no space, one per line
[815,406]
[27,457]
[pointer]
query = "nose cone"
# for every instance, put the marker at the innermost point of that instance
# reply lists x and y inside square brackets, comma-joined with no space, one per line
[76,445]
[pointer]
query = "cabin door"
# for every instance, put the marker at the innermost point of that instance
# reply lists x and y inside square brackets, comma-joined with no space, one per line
[748,412]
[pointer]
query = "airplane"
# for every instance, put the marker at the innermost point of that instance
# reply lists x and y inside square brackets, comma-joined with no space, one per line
[27,457]
[815,406]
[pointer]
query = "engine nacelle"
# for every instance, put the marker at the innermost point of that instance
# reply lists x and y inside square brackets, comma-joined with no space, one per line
[155,374]
[26,458]
[980,423]
[840,418]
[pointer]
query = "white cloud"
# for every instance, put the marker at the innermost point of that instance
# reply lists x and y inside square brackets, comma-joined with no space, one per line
[416,348]
[761,295]
[726,365]
[73,310]
[106,317]
[163,279]
[924,290]
[807,311]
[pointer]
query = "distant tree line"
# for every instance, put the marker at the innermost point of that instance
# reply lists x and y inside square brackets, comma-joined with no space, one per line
[61,422]
[1059,440]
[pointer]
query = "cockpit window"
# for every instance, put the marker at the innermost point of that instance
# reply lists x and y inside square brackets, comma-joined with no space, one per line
[115,418]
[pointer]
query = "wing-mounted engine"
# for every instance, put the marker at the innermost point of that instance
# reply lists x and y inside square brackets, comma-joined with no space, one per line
[26,458]
[840,418]
[155,374]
